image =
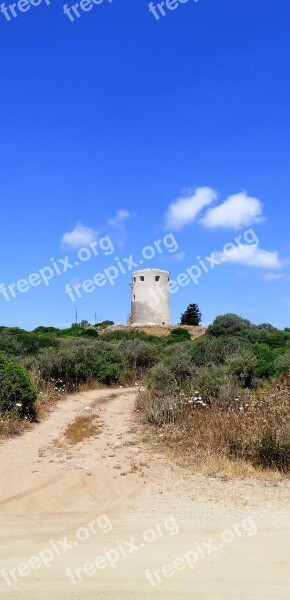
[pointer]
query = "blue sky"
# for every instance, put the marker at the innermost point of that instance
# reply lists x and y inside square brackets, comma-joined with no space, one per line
[123,125]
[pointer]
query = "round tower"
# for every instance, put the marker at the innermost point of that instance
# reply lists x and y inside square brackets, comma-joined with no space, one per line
[150,302]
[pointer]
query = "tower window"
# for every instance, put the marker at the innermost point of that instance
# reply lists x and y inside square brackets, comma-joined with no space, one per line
[157,277]
[134,278]
[134,297]
[141,277]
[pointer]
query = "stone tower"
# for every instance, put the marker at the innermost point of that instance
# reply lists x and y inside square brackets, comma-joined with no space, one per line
[150,302]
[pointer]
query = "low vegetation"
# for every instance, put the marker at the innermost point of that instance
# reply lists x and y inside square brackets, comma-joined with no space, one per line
[225,395]
[82,428]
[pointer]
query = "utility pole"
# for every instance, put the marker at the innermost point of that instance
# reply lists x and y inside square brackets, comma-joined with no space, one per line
[76,317]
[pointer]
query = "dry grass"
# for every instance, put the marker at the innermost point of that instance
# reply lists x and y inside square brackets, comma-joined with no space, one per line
[11,427]
[158,330]
[91,384]
[81,429]
[221,439]
[225,468]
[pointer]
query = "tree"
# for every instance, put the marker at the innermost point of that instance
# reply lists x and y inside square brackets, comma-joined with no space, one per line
[192,316]
[84,323]
[229,324]
[266,326]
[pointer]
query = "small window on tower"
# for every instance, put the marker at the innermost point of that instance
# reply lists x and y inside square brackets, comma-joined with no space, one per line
[134,279]
[141,277]
[157,277]
[134,297]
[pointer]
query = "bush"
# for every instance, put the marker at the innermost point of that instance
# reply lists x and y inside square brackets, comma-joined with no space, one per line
[105,324]
[16,341]
[136,355]
[158,410]
[282,364]
[178,335]
[242,368]
[216,350]
[89,333]
[161,377]
[229,324]
[273,451]
[181,367]
[42,329]
[265,368]
[210,380]
[117,335]
[16,388]
[77,363]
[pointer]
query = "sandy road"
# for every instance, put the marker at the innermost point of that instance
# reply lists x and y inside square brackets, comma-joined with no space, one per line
[205,539]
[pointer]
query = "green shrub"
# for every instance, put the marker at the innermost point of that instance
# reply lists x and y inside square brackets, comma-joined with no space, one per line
[89,333]
[216,350]
[104,369]
[265,368]
[137,355]
[179,348]
[105,324]
[76,363]
[278,339]
[177,335]
[161,378]
[16,341]
[209,380]
[73,331]
[45,330]
[181,367]
[229,324]
[16,388]
[242,368]
[282,364]
[273,451]
[117,335]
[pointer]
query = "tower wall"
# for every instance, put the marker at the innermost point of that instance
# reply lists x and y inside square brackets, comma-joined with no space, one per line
[150,300]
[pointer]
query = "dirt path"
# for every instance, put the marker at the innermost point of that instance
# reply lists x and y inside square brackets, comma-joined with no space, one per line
[89,521]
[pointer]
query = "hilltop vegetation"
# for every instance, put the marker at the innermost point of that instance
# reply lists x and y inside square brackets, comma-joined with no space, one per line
[224,393]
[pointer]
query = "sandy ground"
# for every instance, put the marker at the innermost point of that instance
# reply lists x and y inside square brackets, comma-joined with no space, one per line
[88,521]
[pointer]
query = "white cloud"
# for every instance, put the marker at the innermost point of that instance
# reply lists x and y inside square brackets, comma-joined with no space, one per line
[185,209]
[251,256]
[121,216]
[118,224]
[235,212]
[79,236]
[276,277]
[178,256]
